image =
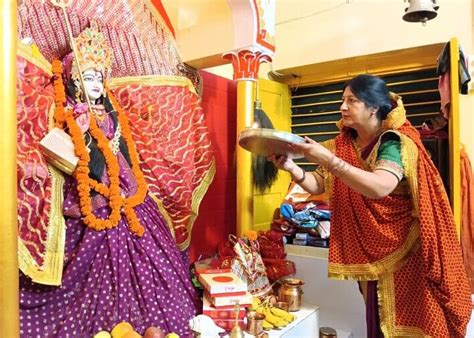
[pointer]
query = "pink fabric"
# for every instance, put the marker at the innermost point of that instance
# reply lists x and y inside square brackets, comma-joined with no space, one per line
[444,88]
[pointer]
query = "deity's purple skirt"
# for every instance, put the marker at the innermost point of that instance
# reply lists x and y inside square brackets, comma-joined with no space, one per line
[113,276]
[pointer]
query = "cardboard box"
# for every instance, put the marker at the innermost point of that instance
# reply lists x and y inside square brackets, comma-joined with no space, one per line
[210,265]
[224,300]
[222,283]
[58,149]
[219,313]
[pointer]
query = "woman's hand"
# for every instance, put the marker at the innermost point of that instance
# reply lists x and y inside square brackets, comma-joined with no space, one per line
[282,162]
[313,151]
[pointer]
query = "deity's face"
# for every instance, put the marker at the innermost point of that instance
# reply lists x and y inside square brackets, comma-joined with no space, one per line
[93,83]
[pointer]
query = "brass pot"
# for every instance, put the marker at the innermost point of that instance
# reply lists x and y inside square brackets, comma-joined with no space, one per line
[291,292]
[255,323]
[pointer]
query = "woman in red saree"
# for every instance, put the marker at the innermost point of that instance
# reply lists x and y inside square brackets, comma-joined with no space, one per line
[392,227]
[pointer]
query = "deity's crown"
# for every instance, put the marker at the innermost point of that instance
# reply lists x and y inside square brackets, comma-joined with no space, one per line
[93,52]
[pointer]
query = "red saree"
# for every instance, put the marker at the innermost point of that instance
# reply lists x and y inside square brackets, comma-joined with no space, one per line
[405,241]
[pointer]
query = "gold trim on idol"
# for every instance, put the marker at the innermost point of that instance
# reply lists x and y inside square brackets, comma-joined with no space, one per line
[32,54]
[197,197]
[50,273]
[164,213]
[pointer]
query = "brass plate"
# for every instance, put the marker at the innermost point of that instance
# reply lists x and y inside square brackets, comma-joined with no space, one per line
[261,141]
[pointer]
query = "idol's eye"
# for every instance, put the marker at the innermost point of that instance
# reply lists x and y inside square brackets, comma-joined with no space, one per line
[88,78]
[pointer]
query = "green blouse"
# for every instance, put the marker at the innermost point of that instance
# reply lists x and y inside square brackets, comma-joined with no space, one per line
[389,157]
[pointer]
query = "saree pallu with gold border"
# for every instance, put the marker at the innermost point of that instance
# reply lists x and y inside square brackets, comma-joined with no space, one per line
[405,241]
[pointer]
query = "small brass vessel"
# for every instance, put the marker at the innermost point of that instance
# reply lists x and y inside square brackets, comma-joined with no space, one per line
[255,323]
[291,292]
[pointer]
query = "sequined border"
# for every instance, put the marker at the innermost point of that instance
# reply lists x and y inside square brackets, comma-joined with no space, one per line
[50,273]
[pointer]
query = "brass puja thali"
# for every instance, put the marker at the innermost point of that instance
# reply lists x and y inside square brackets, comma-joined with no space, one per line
[261,141]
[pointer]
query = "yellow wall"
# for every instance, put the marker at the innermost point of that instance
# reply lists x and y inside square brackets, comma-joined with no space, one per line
[319,31]
[204,30]
[316,31]
[333,30]
[466,105]
[275,99]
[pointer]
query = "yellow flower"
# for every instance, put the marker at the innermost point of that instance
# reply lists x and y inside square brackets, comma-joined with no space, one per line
[251,235]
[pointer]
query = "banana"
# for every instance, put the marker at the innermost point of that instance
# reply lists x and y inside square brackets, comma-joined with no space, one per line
[267,325]
[283,314]
[274,320]
[255,303]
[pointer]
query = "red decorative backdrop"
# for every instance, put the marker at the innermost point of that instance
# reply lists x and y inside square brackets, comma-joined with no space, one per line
[217,213]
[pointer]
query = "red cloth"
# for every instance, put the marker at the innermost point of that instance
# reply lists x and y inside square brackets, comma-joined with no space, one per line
[174,147]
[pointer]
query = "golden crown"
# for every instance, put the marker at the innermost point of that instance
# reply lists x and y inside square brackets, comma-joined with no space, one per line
[93,52]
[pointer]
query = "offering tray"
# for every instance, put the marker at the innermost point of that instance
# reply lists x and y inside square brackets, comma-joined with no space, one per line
[262,141]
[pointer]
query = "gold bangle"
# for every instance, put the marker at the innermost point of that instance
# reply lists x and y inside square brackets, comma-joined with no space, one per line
[338,166]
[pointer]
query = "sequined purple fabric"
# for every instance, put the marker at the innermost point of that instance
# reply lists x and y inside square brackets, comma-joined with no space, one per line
[112,276]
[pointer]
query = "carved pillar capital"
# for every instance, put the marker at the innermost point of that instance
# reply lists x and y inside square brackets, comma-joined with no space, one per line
[246,63]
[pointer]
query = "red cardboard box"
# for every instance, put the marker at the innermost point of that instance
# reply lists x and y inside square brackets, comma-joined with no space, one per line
[210,265]
[219,313]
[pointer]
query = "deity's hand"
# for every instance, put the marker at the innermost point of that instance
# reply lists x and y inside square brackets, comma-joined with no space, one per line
[32,169]
[82,116]
[313,151]
[282,162]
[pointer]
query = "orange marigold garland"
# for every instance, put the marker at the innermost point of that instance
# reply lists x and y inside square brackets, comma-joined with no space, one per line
[140,195]
[59,94]
[85,183]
